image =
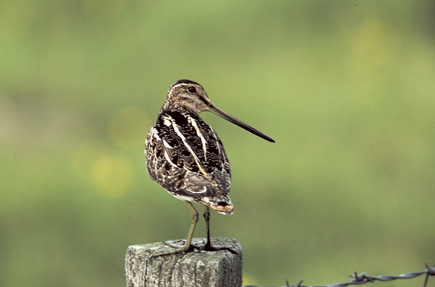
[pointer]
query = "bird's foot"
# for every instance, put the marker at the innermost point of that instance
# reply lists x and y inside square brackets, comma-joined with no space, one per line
[174,244]
[182,248]
[178,249]
[208,247]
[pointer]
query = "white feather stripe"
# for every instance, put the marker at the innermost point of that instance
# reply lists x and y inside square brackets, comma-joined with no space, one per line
[217,141]
[167,148]
[198,132]
[183,138]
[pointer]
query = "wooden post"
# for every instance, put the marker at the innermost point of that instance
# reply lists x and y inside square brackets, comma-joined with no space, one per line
[145,268]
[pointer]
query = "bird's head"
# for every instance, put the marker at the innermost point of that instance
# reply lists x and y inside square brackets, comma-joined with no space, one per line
[191,96]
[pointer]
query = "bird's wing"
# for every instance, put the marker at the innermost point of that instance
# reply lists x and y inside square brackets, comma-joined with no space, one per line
[190,147]
[195,143]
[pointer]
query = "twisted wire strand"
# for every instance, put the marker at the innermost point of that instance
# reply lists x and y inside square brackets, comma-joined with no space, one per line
[363,278]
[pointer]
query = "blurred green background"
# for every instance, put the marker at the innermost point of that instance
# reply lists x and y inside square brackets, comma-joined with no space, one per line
[346,88]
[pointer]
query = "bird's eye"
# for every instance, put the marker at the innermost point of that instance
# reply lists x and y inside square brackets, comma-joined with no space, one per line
[191,89]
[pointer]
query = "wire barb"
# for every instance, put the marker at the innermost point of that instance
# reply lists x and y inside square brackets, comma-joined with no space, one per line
[363,278]
[430,272]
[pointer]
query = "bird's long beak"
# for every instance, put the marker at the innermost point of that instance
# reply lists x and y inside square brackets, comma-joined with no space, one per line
[222,114]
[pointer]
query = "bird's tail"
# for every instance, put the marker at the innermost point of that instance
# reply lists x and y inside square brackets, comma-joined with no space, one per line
[221,203]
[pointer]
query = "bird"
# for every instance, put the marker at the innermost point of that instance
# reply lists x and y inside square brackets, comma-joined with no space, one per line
[186,157]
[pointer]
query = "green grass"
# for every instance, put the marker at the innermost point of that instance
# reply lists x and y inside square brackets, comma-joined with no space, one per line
[345,88]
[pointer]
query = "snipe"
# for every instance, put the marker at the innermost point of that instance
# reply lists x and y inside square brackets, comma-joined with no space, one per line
[186,157]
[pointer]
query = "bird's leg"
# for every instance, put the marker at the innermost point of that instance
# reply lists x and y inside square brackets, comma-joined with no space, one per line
[207,246]
[207,223]
[187,246]
[194,214]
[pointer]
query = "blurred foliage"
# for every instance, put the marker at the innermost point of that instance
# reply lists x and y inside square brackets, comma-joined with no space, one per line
[346,88]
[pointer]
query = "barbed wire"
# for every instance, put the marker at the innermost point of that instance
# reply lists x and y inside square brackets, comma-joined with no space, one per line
[363,278]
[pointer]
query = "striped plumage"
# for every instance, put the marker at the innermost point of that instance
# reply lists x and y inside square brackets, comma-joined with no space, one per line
[185,155]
